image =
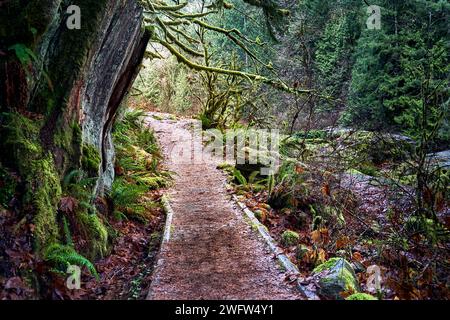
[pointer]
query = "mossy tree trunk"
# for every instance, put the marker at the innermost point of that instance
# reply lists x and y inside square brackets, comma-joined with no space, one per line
[60,90]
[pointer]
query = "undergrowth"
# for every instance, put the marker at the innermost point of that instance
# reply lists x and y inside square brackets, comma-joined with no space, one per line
[62,256]
[137,167]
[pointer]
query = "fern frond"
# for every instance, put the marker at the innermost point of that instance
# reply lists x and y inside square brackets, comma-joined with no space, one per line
[239,177]
[62,256]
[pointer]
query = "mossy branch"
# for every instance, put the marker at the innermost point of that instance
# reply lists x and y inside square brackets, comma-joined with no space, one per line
[249,76]
[176,41]
[160,6]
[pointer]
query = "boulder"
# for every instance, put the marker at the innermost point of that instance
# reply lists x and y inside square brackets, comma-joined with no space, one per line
[336,276]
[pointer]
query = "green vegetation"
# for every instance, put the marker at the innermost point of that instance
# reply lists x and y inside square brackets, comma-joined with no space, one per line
[290,238]
[43,188]
[361,296]
[90,160]
[61,257]
[361,113]
[138,157]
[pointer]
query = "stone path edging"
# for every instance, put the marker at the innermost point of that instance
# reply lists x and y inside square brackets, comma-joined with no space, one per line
[282,258]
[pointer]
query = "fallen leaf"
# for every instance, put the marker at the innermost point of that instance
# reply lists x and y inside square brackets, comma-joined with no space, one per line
[326,190]
[68,204]
[357,256]
[342,242]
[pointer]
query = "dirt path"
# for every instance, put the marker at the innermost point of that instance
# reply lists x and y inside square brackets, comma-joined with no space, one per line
[212,253]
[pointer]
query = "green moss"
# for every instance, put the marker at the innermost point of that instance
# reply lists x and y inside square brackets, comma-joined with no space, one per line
[152,182]
[326,265]
[21,141]
[225,166]
[7,186]
[44,192]
[68,137]
[90,159]
[259,215]
[341,277]
[290,238]
[156,117]
[95,233]
[63,139]
[369,169]
[42,184]
[361,296]
[354,172]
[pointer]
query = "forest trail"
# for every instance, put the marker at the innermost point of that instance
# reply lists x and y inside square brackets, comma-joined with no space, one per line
[212,253]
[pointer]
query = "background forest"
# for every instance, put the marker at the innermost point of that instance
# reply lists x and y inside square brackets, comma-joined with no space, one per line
[370,79]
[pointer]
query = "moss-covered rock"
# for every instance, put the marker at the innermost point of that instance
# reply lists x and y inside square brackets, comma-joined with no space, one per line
[336,276]
[290,238]
[361,296]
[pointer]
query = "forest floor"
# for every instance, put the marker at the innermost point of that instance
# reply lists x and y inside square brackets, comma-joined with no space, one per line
[212,252]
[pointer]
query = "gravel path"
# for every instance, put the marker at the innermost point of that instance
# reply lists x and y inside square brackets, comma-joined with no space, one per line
[212,253]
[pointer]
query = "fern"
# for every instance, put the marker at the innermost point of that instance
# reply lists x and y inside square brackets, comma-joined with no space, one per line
[252,177]
[134,118]
[124,194]
[239,177]
[270,184]
[72,176]
[62,256]
[26,57]
[67,234]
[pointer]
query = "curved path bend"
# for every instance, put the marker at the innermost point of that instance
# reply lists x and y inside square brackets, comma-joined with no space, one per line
[212,253]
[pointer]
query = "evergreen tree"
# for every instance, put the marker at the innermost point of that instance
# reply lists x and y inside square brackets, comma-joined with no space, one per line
[392,65]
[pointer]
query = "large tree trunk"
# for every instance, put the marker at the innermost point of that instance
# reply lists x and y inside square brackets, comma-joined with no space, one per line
[66,84]
[78,76]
